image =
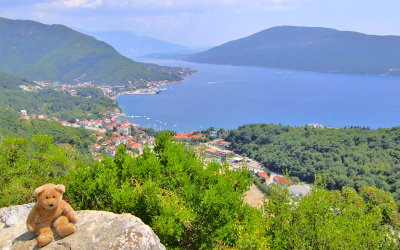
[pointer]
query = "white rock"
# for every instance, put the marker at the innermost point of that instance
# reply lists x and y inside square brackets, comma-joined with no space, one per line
[95,230]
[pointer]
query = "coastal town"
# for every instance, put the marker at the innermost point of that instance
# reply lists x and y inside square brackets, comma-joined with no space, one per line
[115,129]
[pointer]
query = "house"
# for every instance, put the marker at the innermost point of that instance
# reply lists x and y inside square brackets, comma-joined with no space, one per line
[133,145]
[223,144]
[115,140]
[187,136]
[23,112]
[107,142]
[180,137]
[282,181]
[111,150]
[124,121]
[98,158]
[42,116]
[262,175]
[196,136]
[124,130]
[218,153]
[96,147]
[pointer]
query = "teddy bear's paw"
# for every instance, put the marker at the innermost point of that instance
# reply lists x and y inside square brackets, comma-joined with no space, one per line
[43,240]
[67,230]
[73,218]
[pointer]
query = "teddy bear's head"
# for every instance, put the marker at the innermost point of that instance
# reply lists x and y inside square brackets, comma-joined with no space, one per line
[49,195]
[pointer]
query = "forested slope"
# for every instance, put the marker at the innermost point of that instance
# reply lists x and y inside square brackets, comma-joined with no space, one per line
[352,157]
[58,53]
[309,48]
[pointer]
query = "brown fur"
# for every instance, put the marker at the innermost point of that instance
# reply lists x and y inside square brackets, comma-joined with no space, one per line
[50,209]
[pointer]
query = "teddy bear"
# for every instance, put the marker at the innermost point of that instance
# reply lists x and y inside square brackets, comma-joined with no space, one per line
[50,209]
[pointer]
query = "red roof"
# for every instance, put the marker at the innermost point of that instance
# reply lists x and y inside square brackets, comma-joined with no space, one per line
[282,180]
[264,175]
[182,137]
[211,150]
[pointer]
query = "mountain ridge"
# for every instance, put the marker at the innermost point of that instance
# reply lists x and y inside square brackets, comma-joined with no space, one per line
[133,45]
[58,53]
[309,48]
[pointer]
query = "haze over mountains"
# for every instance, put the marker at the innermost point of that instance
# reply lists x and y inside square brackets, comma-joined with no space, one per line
[312,49]
[132,45]
[58,53]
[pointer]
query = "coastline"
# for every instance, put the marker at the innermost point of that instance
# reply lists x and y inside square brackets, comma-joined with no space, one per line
[146,91]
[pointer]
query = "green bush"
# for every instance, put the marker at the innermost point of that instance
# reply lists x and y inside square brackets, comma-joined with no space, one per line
[188,203]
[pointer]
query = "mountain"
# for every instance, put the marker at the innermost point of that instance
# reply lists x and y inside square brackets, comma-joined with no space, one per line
[313,49]
[58,53]
[132,45]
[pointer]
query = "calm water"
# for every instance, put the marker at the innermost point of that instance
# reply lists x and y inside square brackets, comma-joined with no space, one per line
[230,96]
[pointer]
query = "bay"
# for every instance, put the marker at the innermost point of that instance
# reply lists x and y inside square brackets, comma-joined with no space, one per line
[229,96]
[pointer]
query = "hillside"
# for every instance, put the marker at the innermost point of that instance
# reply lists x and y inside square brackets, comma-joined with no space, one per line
[47,101]
[313,49]
[132,45]
[193,204]
[58,53]
[352,157]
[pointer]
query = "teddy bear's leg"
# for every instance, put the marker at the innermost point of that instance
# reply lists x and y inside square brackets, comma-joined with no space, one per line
[63,226]
[45,236]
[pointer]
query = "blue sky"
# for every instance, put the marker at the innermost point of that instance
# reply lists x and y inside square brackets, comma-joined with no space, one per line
[199,23]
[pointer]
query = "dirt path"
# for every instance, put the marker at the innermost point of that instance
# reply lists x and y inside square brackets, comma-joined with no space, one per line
[254,197]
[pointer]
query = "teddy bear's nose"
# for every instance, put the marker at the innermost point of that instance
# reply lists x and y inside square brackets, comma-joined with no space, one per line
[50,205]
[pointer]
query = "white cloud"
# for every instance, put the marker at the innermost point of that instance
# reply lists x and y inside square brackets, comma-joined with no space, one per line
[185,4]
[72,4]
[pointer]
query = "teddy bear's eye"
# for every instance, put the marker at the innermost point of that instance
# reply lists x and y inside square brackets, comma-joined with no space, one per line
[54,196]
[47,197]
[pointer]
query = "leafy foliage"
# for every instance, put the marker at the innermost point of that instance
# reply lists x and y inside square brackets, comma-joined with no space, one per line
[332,220]
[353,157]
[25,165]
[189,203]
[78,138]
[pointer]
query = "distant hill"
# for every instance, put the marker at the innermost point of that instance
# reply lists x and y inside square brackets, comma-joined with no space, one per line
[132,45]
[313,49]
[58,53]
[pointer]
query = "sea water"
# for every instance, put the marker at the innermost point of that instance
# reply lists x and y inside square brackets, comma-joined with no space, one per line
[230,96]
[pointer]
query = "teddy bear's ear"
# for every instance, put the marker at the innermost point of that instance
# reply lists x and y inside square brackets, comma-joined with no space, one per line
[60,188]
[38,191]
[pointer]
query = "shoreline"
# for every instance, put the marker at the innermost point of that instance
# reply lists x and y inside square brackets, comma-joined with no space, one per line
[146,91]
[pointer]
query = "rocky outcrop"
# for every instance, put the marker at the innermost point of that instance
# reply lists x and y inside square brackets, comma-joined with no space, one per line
[95,230]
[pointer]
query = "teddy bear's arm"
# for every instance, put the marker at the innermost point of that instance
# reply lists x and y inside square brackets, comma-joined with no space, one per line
[69,212]
[32,218]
